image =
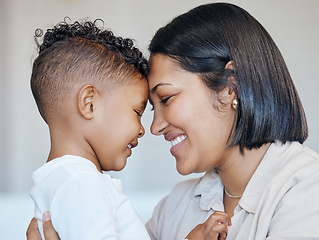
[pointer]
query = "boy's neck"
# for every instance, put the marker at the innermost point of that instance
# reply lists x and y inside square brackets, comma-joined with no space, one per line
[68,142]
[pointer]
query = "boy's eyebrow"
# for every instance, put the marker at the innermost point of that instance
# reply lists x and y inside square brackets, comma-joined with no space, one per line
[159,85]
[144,104]
[150,101]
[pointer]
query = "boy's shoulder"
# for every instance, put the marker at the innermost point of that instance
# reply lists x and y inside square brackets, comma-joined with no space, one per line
[64,174]
[63,169]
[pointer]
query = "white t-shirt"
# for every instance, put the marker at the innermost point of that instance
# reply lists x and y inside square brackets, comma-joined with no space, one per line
[281,201]
[84,203]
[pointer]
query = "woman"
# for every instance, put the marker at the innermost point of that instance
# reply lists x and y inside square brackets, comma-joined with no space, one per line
[223,96]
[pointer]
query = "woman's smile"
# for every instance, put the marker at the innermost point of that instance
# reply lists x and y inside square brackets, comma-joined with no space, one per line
[177,140]
[184,113]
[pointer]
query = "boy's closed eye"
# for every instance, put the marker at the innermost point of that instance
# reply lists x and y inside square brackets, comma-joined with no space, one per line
[140,109]
[139,113]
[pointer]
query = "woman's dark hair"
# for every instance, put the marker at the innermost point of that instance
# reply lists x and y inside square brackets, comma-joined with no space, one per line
[206,38]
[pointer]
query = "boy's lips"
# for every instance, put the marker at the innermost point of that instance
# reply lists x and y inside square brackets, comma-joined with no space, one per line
[132,145]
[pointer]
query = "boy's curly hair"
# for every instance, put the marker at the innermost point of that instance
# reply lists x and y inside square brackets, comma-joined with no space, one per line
[88,30]
[81,52]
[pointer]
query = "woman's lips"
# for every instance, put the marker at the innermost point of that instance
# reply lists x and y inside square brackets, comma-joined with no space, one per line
[178,139]
[177,142]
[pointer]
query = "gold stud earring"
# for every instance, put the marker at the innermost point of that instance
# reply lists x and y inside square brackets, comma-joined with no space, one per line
[234,104]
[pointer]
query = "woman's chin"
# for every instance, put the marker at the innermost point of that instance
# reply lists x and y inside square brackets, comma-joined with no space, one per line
[183,170]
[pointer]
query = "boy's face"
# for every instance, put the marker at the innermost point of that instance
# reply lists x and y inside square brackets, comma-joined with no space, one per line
[118,124]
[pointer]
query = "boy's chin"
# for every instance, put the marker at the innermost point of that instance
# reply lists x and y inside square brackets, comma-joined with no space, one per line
[120,165]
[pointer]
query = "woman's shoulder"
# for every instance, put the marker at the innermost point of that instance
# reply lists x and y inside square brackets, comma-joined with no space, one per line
[298,157]
[284,169]
[289,155]
[284,163]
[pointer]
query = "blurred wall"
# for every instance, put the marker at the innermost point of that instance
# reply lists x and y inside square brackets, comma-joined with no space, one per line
[2,98]
[24,139]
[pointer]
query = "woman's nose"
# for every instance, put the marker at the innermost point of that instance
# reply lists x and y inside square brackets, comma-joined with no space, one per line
[158,124]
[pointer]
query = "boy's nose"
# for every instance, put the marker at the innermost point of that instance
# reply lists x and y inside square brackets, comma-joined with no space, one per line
[142,132]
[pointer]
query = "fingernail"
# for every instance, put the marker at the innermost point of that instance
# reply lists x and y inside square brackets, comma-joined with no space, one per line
[46,216]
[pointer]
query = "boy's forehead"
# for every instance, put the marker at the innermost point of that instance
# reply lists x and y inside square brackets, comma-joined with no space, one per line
[123,78]
[133,92]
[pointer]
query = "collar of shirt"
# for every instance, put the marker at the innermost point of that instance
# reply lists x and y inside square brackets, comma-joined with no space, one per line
[210,189]
[273,161]
[117,183]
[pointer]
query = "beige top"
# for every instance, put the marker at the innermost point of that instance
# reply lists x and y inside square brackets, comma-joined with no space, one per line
[281,201]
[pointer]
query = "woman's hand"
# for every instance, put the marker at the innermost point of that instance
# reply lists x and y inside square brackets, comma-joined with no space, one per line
[215,227]
[48,230]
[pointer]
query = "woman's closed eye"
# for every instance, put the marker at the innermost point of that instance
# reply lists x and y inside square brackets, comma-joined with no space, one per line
[165,99]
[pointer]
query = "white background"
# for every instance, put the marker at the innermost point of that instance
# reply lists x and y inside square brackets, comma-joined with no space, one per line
[150,172]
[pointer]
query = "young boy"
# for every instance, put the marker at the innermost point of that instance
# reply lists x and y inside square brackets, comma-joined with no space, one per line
[91,89]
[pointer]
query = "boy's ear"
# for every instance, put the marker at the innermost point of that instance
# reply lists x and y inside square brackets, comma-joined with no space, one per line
[87,100]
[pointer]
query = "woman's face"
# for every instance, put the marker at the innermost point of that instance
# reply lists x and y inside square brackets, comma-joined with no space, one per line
[185,112]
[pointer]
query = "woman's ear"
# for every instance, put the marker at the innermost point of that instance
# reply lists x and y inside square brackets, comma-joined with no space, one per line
[230,65]
[233,87]
[229,95]
[87,100]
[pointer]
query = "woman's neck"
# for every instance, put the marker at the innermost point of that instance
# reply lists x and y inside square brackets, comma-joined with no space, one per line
[238,168]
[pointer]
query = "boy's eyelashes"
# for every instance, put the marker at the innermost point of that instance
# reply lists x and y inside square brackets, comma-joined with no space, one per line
[139,113]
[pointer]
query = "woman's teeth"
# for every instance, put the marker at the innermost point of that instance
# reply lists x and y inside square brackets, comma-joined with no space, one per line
[129,146]
[178,140]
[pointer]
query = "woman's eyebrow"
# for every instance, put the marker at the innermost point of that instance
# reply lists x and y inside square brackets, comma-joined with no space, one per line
[159,85]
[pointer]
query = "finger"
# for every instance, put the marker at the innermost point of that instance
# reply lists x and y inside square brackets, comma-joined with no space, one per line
[217,217]
[224,215]
[221,217]
[48,230]
[220,229]
[33,231]
[213,227]
[222,236]
[218,223]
